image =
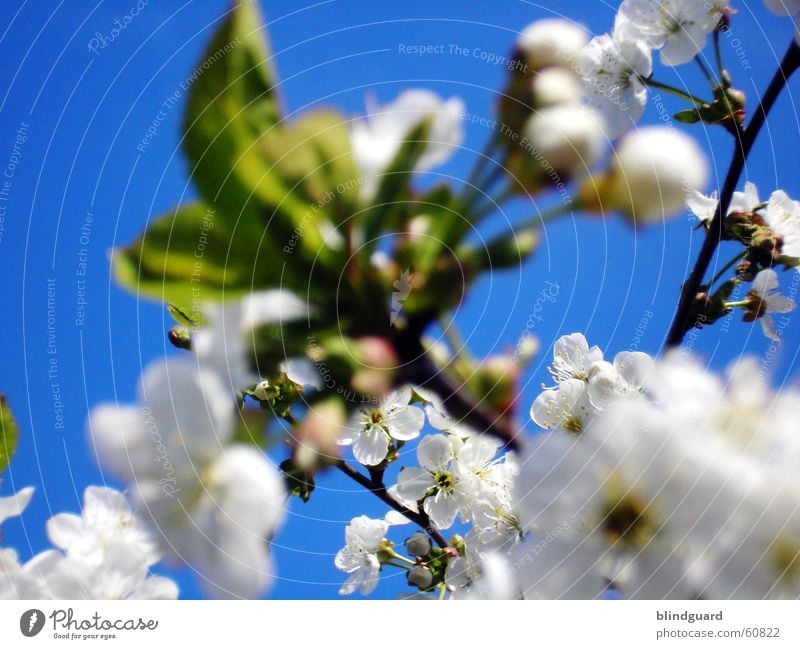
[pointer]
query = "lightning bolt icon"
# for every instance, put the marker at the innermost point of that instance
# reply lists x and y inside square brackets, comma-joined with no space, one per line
[32,620]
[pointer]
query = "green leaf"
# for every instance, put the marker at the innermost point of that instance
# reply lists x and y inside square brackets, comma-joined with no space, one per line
[230,106]
[180,317]
[504,251]
[294,180]
[191,255]
[9,434]
[389,207]
[688,116]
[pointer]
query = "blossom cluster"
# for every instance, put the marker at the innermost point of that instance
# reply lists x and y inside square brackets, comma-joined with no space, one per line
[615,67]
[594,90]
[659,479]
[461,476]
[770,232]
[105,553]
[213,500]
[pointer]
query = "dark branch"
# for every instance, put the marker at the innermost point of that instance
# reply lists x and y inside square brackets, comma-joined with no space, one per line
[379,489]
[745,140]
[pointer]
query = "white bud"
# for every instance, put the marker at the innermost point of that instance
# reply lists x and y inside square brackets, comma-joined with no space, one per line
[568,137]
[554,86]
[552,42]
[655,169]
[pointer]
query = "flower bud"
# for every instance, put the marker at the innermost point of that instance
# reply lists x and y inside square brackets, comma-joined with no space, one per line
[552,42]
[421,577]
[553,86]
[377,362]
[315,438]
[418,545]
[180,337]
[654,169]
[568,137]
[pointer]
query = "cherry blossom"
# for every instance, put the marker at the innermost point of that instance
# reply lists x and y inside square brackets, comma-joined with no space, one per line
[371,429]
[359,556]
[613,69]
[676,27]
[214,503]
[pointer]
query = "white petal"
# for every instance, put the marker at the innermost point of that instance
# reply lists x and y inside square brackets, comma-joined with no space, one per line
[302,371]
[413,483]
[16,504]
[434,452]
[765,282]
[442,509]
[406,422]
[370,447]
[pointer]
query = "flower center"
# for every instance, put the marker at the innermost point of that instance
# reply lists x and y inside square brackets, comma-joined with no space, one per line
[626,521]
[785,557]
[445,481]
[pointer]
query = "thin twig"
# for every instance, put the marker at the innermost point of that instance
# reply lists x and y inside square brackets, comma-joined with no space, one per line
[379,489]
[745,139]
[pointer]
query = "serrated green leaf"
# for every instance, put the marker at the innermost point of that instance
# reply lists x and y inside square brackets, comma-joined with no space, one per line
[9,434]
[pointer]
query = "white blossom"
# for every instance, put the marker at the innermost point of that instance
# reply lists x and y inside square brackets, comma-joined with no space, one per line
[214,503]
[653,172]
[783,218]
[436,480]
[552,42]
[556,86]
[625,376]
[573,358]
[371,429]
[704,207]
[377,139]
[359,556]
[613,69]
[569,137]
[566,407]
[678,28]
[105,553]
[766,288]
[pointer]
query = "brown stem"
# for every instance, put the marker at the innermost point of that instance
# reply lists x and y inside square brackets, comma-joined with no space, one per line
[746,137]
[379,489]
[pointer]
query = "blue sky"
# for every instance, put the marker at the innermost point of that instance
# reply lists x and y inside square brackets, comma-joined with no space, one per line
[70,122]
